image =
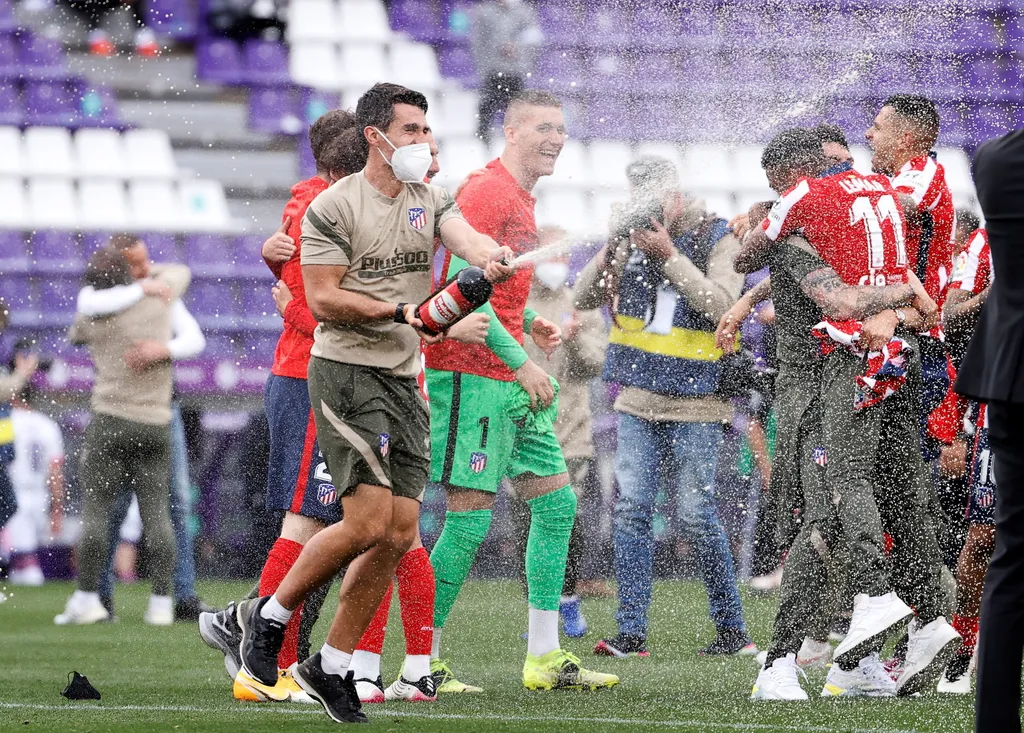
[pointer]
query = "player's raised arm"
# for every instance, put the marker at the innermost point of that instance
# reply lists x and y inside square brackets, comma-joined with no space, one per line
[477,249]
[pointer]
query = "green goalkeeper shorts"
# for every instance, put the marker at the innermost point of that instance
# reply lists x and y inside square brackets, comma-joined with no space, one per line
[473,441]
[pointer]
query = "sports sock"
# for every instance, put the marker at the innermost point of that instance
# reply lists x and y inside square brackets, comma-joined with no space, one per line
[280,559]
[551,519]
[334,661]
[417,666]
[365,665]
[967,627]
[543,632]
[416,597]
[453,556]
[274,611]
[435,644]
[373,638]
[161,604]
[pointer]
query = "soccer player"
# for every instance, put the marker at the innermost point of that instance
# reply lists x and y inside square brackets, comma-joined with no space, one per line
[969,287]
[855,224]
[367,243]
[492,411]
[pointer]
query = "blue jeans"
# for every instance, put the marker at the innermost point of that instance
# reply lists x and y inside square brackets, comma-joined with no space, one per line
[181,515]
[692,448]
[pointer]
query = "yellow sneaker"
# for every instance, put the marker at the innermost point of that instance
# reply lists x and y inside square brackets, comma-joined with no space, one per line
[295,693]
[444,679]
[560,669]
[248,689]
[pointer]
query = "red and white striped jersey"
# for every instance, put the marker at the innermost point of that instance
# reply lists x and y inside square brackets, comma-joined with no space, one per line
[972,269]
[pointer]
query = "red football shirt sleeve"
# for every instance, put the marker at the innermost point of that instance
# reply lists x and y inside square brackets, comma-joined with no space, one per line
[786,216]
[919,181]
[484,208]
[297,312]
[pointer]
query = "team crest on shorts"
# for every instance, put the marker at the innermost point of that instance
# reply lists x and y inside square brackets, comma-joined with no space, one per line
[984,496]
[477,462]
[417,217]
[385,445]
[820,456]
[327,494]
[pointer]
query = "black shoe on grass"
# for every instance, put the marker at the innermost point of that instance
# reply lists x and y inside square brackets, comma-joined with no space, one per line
[261,641]
[337,694]
[622,645]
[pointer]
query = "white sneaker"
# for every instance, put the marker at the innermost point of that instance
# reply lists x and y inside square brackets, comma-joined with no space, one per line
[814,654]
[31,576]
[780,681]
[761,657]
[370,691]
[767,583]
[929,650]
[956,680]
[869,679]
[81,609]
[422,690]
[160,611]
[875,619]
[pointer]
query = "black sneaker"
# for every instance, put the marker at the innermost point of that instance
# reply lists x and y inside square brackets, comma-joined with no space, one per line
[336,693]
[220,631]
[108,603]
[188,609]
[622,645]
[422,690]
[261,641]
[729,642]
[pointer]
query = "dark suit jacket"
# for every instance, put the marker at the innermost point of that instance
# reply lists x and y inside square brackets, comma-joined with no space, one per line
[993,367]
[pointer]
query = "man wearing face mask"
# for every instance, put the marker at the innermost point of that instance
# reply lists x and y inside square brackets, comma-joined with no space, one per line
[367,243]
[669,277]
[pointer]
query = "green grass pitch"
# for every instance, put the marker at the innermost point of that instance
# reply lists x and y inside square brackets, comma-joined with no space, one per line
[165,679]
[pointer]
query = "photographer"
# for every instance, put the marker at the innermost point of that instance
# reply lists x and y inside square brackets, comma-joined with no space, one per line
[11,383]
[667,275]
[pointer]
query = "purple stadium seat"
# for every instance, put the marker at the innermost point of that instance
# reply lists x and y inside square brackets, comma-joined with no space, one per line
[162,247]
[607,26]
[56,252]
[658,72]
[973,33]
[209,255]
[419,18]
[213,303]
[662,118]
[247,259]
[218,60]
[307,166]
[1014,28]
[17,290]
[49,103]
[657,27]
[988,121]
[42,57]
[265,62]
[9,64]
[97,105]
[991,79]
[256,300]
[174,18]
[611,117]
[700,29]
[560,23]
[952,132]
[557,68]
[274,110]
[939,77]
[10,104]
[605,71]
[701,71]
[457,63]
[13,254]
[58,294]
[6,15]
[222,346]
[316,102]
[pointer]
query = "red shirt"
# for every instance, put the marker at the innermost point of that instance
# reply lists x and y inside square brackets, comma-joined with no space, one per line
[291,358]
[496,205]
[972,269]
[852,220]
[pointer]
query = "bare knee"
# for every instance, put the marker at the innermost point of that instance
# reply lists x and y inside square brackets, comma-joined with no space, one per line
[298,528]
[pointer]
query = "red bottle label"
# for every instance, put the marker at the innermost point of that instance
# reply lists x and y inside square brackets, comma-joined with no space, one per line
[444,308]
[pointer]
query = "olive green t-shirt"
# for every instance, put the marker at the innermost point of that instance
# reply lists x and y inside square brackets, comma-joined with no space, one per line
[387,245]
[795,313]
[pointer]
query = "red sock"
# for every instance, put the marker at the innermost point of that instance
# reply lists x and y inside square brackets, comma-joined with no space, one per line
[967,627]
[373,638]
[280,559]
[416,596]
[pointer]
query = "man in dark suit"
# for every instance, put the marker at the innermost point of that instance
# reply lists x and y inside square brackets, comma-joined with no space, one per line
[993,371]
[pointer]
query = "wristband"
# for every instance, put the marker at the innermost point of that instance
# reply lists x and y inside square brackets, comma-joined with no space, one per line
[399,316]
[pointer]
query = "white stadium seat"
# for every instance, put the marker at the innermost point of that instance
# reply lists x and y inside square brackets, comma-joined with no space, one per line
[154,206]
[315,64]
[746,168]
[609,159]
[363,65]
[707,167]
[100,154]
[459,156]
[363,20]
[415,65]
[12,158]
[13,207]
[52,204]
[148,154]
[203,205]
[455,113]
[861,158]
[312,20]
[48,152]
[573,165]
[721,203]
[958,173]
[104,204]
[565,208]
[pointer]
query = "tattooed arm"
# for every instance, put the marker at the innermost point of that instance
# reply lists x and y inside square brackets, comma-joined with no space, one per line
[961,309]
[846,302]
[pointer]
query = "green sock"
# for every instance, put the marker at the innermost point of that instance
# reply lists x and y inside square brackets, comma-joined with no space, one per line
[453,557]
[551,520]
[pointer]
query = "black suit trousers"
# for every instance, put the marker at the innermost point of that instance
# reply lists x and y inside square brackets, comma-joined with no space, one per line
[1001,641]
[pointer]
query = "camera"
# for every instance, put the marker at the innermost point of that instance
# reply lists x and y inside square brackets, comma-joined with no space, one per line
[636,215]
[27,347]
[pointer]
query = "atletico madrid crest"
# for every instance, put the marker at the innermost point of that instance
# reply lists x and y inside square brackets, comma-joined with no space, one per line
[417,218]
[820,456]
[385,445]
[327,494]
[478,462]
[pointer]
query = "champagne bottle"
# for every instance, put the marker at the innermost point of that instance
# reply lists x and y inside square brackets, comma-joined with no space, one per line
[455,300]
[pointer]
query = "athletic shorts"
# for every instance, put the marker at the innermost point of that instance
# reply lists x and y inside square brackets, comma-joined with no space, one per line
[372,427]
[981,508]
[474,444]
[29,528]
[297,477]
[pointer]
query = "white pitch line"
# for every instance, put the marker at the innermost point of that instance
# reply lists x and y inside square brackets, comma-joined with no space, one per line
[289,710]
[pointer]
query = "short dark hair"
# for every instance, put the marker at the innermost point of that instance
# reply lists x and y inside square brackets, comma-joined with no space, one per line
[327,127]
[968,220]
[376,108]
[829,133]
[106,268]
[919,111]
[652,172]
[124,240]
[345,154]
[793,148]
[531,98]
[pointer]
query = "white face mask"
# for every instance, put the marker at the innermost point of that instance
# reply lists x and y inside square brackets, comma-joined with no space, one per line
[551,275]
[409,162]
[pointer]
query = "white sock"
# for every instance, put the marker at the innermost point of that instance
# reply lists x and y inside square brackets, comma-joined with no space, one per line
[435,644]
[543,632]
[334,661]
[569,599]
[81,597]
[274,611]
[161,605]
[417,666]
[365,665]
